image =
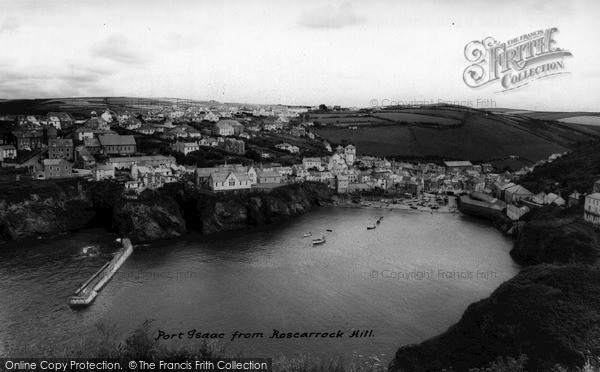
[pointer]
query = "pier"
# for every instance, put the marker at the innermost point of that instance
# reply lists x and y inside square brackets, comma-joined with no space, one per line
[86,294]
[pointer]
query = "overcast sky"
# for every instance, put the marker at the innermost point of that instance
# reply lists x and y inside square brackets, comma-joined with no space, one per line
[305,52]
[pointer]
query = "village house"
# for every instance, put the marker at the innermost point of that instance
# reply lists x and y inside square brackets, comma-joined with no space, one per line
[268,177]
[28,140]
[54,120]
[154,160]
[223,128]
[66,121]
[552,198]
[235,146]
[591,210]
[131,123]
[287,147]
[596,187]
[61,148]
[283,171]
[152,177]
[146,129]
[312,163]
[500,187]
[83,133]
[103,172]
[228,181]
[55,168]
[516,193]
[118,145]
[299,171]
[208,141]
[7,152]
[341,183]
[96,123]
[574,199]
[92,145]
[298,131]
[210,116]
[85,160]
[458,166]
[514,213]
[185,147]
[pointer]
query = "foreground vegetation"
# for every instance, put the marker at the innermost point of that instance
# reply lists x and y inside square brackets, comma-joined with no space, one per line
[141,345]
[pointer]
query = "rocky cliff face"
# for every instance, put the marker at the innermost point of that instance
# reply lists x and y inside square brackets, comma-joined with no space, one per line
[209,214]
[143,221]
[50,207]
[559,236]
[39,209]
[549,313]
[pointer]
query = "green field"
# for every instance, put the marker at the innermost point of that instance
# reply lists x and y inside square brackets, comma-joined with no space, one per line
[415,118]
[481,137]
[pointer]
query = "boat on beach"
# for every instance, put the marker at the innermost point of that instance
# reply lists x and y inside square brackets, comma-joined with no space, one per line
[371,227]
[306,234]
[318,241]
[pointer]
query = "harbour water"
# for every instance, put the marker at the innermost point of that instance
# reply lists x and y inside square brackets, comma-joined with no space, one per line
[407,280]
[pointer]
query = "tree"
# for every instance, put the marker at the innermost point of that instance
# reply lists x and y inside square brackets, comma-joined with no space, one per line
[323,107]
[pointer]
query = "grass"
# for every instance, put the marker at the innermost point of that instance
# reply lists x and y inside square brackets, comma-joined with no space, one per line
[416,118]
[480,138]
[141,345]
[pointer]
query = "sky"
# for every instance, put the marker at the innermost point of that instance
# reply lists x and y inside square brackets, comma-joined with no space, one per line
[349,53]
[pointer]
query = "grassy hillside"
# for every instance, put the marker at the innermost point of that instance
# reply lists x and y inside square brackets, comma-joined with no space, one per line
[575,171]
[481,136]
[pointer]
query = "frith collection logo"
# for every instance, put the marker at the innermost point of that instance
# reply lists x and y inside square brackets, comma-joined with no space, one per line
[516,62]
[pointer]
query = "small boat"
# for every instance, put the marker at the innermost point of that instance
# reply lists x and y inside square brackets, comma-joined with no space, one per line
[378,222]
[413,207]
[329,230]
[306,234]
[318,241]
[371,227]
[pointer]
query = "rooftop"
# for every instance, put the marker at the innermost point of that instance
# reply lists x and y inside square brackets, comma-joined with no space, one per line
[117,140]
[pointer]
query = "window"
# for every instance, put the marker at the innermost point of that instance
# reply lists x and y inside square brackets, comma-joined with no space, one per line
[231,182]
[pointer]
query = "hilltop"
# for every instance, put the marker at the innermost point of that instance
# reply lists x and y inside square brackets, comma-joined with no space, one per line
[451,132]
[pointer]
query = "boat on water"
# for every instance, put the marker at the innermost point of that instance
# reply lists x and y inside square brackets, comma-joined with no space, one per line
[371,227]
[318,241]
[329,230]
[306,234]
[378,222]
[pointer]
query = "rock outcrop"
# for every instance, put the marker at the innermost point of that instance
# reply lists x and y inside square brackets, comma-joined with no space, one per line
[549,313]
[41,209]
[144,221]
[50,207]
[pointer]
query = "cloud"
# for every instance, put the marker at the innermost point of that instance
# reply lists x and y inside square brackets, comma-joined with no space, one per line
[330,17]
[118,48]
[46,81]
[10,24]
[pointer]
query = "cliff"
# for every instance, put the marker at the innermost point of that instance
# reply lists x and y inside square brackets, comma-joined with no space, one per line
[555,235]
[550,313]
[37,208]
[50,207]
[207,213]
